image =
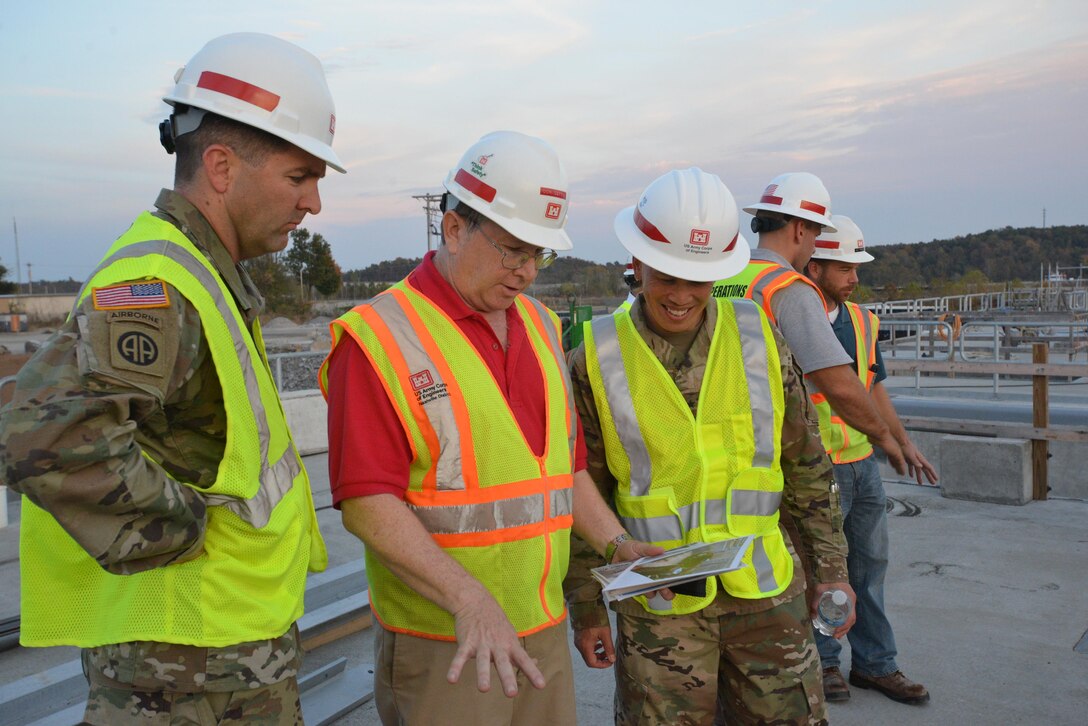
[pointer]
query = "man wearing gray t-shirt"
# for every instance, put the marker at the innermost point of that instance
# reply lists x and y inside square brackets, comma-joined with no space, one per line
[789,216]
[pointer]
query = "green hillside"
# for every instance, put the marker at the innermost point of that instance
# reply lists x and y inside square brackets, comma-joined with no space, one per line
[1001,255]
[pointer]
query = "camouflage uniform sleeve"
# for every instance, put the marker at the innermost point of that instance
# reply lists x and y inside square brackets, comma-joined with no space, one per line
[69,439]
[581,589]
[810,497]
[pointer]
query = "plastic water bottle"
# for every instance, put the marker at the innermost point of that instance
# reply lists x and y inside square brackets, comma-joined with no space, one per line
[831,611]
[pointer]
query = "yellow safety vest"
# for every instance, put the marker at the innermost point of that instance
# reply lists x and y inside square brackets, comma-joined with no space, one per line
[261,535]
[843,442]
[759,281]
[501,511]
[702,478]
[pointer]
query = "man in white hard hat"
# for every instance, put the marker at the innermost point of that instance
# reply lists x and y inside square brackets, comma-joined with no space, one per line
[167,524]
[792,211]
[456,456]
[833,268]
[698,429]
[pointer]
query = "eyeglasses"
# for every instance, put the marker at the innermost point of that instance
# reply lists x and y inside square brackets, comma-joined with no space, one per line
[512,260]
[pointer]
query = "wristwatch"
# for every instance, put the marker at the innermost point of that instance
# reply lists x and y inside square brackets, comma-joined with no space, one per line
[613,545]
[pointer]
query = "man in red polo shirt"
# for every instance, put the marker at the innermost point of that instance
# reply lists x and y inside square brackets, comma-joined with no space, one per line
[456,455]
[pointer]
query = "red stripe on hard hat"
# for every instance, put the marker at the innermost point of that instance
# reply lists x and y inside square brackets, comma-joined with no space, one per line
[825,245]
[548,192]
[241,90]
[813,207]
[647,228]
[485,192]
[733,243]
[770,199]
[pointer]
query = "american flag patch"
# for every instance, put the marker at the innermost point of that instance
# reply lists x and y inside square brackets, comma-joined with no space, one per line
[149,294]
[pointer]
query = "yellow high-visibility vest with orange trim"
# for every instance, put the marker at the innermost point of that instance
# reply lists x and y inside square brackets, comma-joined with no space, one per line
[702,478]
[842,441]
[759,281]
[500,510]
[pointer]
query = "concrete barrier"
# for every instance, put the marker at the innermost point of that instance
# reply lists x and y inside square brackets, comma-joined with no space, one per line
[986,470]
[307,416]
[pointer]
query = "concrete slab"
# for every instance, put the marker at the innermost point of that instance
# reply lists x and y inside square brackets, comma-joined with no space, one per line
[986,470]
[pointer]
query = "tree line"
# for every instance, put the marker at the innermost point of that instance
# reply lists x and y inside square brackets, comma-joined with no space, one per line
[292,279]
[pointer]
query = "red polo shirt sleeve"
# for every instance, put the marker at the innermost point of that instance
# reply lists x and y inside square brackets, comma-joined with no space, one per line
[369,451]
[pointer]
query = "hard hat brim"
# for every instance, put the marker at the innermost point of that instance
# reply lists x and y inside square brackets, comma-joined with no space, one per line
[534,234]
[855,257]
[306,143]
[649,252]
[799,213]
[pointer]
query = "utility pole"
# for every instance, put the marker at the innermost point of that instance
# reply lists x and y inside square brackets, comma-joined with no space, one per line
[431,206]
[29,281]
[18,272]
[1044,217]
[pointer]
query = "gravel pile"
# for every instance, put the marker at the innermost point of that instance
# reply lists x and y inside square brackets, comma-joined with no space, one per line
[296,372]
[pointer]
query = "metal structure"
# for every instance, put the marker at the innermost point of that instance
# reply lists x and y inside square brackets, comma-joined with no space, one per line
[431,204]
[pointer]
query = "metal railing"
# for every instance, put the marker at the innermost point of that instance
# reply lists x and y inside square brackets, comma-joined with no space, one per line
[1064,297]
[990,341]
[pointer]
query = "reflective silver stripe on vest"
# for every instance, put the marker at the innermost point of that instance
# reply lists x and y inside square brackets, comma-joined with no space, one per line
[653,529]
[866,319]
[752,503]
[448,468]
[762,565]
[754,351]
[491,516]
[556,345]
[617,391]
[276,479]
[673,526]
[756,291]
[562,502]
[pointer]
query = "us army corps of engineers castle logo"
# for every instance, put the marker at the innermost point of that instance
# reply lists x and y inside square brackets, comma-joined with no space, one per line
[426,389]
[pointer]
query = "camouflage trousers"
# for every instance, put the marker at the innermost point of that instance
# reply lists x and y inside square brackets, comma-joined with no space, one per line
[167,684]
[759,668]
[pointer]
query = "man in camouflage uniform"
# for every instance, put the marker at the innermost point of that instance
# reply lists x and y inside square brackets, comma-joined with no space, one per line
[738,659]
[120,430]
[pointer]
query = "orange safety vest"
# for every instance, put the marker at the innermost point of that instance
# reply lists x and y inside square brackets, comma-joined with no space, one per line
[842,441]
[501,511]
[759,281]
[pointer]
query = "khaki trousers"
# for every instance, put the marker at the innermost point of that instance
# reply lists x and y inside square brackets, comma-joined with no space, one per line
[410,687]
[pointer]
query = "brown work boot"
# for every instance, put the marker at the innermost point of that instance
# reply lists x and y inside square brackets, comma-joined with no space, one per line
[895,686]
[835,688]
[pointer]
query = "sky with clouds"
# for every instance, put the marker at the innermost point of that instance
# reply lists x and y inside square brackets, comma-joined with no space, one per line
[925,119]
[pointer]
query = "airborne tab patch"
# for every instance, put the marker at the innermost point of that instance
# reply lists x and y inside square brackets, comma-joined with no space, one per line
[131,296]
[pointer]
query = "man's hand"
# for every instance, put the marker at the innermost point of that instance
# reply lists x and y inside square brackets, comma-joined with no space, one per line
[821,588]
[596,647]
[632,549]
[917,464]
[484,633]
[894,453]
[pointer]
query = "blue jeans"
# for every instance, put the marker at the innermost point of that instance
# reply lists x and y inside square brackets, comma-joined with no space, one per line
[865,522]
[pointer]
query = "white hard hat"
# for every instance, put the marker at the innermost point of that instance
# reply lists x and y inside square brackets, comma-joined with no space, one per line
[686,226]
[264,82]
[629,271]
[518,182]
[845,244]
[797,194]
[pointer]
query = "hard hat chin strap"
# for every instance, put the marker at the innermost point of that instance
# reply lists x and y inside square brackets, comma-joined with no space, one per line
[184,120]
